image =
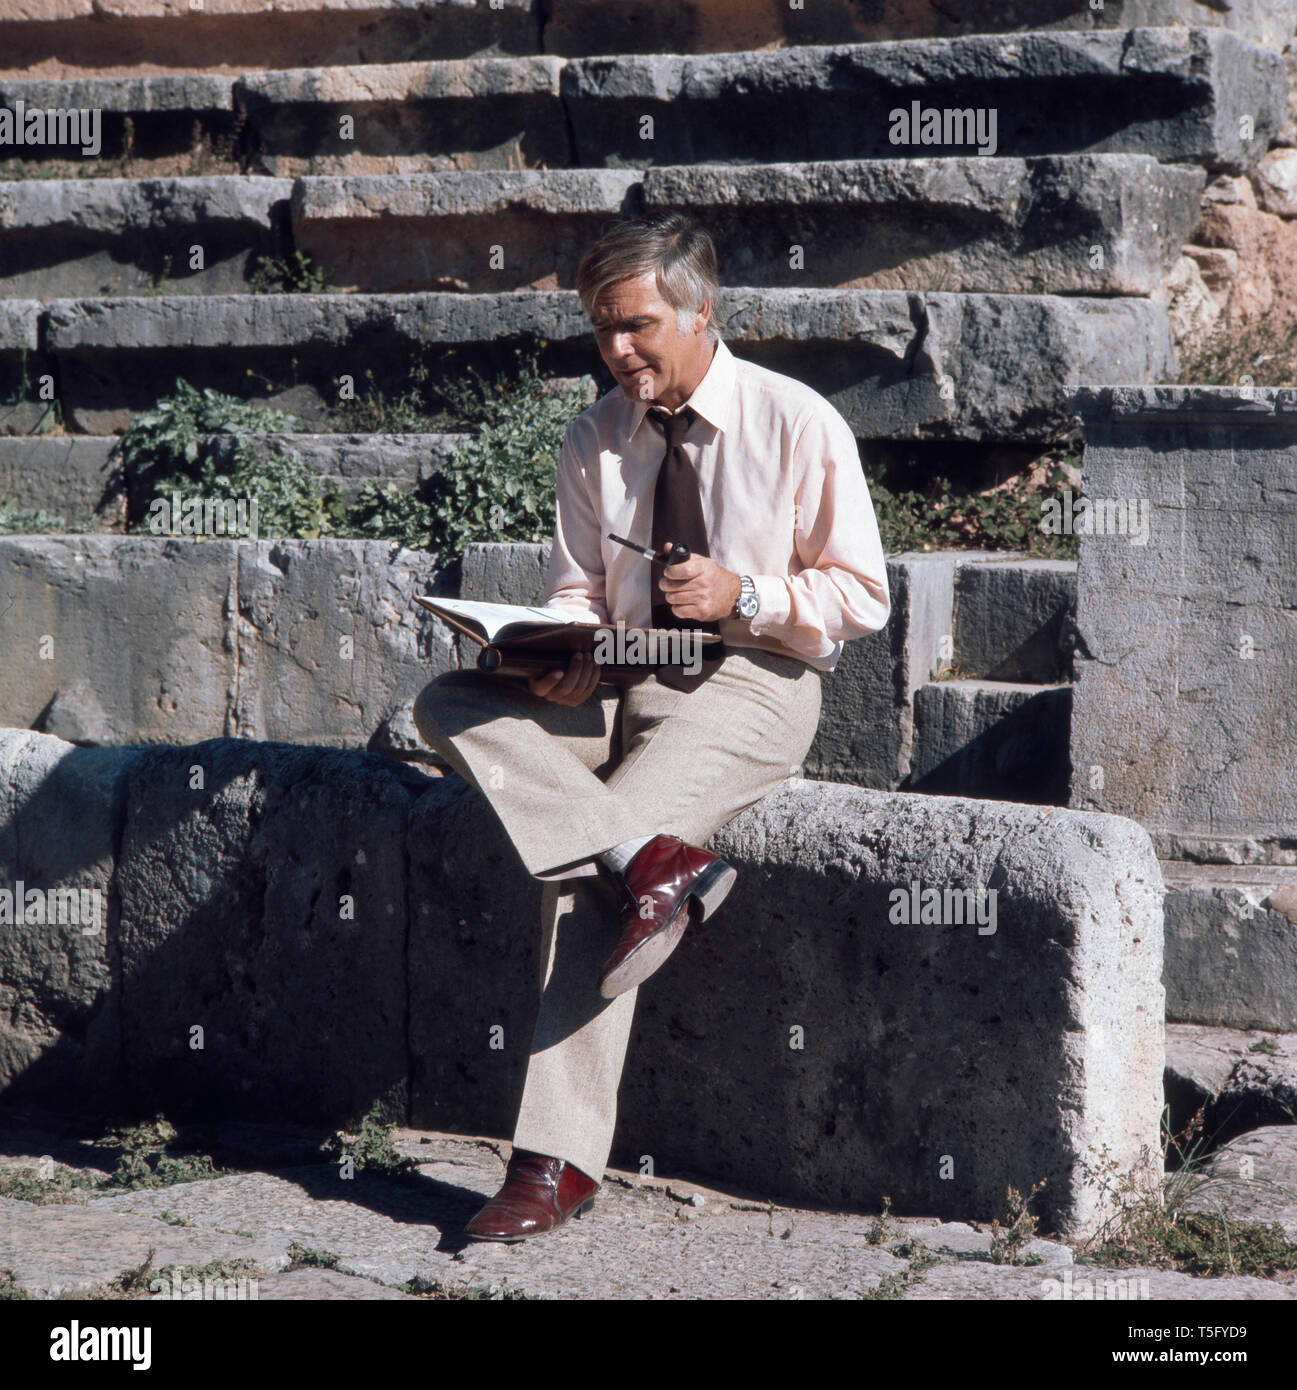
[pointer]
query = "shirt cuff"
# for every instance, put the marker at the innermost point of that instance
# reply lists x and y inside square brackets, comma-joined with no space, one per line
[776,605]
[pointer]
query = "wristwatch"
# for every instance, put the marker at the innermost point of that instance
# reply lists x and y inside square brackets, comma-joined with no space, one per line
[747,604]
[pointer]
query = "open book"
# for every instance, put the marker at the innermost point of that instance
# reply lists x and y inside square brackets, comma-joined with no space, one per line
[515,640]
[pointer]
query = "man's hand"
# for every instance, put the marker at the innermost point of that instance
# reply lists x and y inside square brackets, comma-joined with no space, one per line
[698,589]
[571,687]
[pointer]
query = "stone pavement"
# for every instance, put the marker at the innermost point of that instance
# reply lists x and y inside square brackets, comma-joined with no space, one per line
[646,1238]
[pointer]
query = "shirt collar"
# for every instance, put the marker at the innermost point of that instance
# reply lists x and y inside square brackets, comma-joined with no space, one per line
[711,397]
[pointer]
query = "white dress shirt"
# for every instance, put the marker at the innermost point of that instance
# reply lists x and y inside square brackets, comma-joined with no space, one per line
[783,495]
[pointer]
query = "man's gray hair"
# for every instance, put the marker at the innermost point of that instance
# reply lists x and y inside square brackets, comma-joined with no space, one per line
[674,247]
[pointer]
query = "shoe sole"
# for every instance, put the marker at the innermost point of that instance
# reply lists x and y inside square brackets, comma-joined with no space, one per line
[709,891]
[518,1240]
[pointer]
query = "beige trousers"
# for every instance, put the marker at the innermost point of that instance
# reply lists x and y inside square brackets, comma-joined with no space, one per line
[568,784]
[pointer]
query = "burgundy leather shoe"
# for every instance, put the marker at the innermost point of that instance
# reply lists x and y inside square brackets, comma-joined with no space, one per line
[539,1193]
[663,883]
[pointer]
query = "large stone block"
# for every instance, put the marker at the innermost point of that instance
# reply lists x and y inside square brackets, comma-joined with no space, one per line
[1231,946]
[962,223]
[474,113]
[513,572]
[118,639]
[993,739]
[62,811]
[965,224]
[714,26]
[839,1066]
[75,37]
[330,642]
[1185,712]
[305,641]
[264,931]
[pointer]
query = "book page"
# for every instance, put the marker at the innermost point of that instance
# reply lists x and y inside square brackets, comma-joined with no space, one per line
[495,619]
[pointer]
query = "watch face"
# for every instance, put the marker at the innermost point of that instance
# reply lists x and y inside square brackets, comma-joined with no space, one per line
[748,605]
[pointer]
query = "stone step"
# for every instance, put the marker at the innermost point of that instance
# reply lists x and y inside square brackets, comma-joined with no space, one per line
[1186,95]
[79,477]
[1201,96]
[87,237]
[139,37]
[897,365]
[1051,1021]
[998,739]
[1231,945]
[966,224]
[1015,619]
[153,36]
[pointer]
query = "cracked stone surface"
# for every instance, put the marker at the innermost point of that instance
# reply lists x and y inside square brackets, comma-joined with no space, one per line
[646,1238]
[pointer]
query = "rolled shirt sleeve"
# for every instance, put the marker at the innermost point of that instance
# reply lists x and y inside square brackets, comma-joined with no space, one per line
[839,588]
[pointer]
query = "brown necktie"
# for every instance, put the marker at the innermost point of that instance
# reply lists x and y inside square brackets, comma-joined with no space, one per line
[678,517]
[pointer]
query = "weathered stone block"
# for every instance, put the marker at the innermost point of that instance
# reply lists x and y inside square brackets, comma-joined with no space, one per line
[61,815]
[897,365]
[1185,714]
[118,639]
[264,904]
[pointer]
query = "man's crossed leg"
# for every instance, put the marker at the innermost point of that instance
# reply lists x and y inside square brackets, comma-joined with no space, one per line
[656,772]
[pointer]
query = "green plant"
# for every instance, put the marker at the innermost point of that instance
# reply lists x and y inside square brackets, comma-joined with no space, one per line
[1266,1045]
[880,1229]
[10,1289]
[292,274]
[499,486]
[29,521]
[174,448]
[939,515]
[371,1148]
[302,1257]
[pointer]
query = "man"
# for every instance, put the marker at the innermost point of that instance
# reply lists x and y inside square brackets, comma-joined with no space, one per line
[609,801]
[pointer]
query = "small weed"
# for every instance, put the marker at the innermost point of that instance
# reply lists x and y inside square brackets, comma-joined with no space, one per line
[10,1289]
[1152,1224]
[880,1230]
[1266,1045]
[293,274]
[172,1219]
[1009,1242]
[302,1257]
[371,1149]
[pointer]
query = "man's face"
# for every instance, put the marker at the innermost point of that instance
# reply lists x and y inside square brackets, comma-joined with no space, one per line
[636,332]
